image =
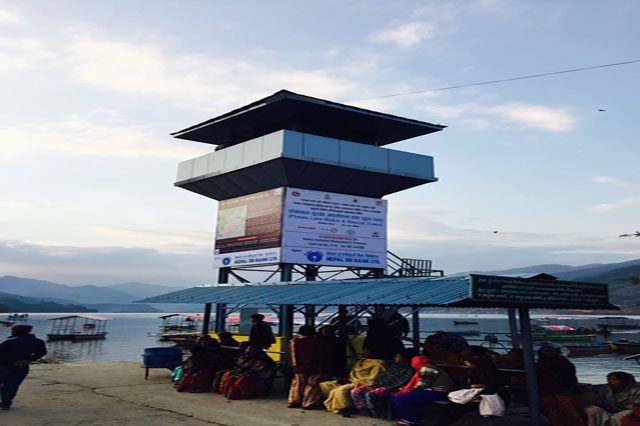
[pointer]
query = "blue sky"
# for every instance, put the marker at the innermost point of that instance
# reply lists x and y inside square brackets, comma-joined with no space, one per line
[91,90]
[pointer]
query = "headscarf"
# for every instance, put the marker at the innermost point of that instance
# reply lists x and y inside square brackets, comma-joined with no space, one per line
[417,362]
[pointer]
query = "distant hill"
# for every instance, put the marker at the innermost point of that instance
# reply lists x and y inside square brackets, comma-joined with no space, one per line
[16,303]
[79,294]
[142,290]
[123,307]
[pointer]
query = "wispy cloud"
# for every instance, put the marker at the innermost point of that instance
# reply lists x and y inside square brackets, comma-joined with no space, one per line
[84,135]
[406,35]
[608,207]
[20,54]
[608,180]
[9,18]
[543,117]
[195,80]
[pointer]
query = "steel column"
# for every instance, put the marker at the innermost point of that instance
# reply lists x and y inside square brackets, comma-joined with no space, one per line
[221,317]
[529,366]
[207,318]
[342,318]
[286,272]
[415,327]
[309,315]
[513,328]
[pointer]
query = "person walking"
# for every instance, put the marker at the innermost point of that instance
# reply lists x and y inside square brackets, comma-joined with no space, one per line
[260,334]
[16,353]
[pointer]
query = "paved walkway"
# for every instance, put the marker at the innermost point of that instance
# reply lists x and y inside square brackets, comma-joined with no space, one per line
[117,394]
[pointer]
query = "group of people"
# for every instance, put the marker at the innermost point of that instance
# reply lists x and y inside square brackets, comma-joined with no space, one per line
[565,403]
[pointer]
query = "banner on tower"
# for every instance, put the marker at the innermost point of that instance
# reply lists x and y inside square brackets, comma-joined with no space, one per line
[302,226]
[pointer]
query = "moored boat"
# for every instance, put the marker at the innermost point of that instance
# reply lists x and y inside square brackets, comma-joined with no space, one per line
[78,327]
[560,333]
[464,322]
[588,349]
[625,346]
[617,323]
[18,317]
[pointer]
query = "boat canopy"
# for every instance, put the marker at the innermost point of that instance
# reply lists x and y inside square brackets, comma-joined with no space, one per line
[558,328]
[92,317]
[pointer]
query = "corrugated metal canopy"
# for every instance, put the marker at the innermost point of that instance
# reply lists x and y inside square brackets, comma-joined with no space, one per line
[288,110]
[422,292]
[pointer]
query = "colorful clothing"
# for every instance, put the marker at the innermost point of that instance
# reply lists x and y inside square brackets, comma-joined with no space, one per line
[363,373]
[196,381]
[373,399]
[612,407]
[252,376]
[305,360]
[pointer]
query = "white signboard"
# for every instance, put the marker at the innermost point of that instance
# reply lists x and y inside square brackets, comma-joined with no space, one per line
[325,228]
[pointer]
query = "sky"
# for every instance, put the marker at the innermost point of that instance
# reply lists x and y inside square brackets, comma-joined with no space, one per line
[91,90]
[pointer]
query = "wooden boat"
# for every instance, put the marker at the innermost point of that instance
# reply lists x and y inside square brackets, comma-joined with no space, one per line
[6,323]
[78,327]
[588,349]
[625,346]
[464,322]
[560,333]
[18,317]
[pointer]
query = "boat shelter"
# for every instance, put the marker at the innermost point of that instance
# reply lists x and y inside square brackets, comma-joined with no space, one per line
[516,295]
[78,327]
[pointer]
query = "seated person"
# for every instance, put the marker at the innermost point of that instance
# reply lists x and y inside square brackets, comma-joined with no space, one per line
[252,375]
[373,399]
[428,384]
[558,388]
[226,339]
[363,373]
[207,358]
[614,401]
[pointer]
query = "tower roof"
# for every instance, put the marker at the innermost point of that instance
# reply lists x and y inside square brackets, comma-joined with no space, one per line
[292,111]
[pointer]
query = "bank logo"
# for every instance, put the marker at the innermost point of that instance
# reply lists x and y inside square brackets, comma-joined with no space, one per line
[226,261]
[313,256]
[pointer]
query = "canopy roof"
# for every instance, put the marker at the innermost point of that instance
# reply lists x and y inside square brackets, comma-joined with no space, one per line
[93,317]
[419,292]
[291,111]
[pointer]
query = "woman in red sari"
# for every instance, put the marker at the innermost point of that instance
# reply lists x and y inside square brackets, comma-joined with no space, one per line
[305,358]
[207,358]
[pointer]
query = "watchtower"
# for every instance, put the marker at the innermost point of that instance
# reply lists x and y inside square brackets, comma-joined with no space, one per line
[300,182]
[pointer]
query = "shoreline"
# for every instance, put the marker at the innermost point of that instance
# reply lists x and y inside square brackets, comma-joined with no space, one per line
[116,393]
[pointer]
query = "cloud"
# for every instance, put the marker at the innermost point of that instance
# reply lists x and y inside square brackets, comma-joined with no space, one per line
[608,180]
[9,18]
[551,119]
[20,54]
[92,136]
[183,241]
[406,35]
[194,80]
[607,207]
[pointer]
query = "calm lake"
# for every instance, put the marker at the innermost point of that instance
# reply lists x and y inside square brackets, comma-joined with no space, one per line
[127,339]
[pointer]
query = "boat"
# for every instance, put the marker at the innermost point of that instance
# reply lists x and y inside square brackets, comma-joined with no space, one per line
[588,349]
[560,333]
[464,322]
[617,323]
[635,358]
[179,326]
[465,332]
[624,346]
[18,317]
[6,323]
[78,327]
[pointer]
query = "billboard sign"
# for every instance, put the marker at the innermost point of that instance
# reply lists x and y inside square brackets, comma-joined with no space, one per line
[248,231]
[302,226]
[324,228]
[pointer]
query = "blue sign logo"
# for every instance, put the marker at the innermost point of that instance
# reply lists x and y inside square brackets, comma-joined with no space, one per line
[226,261]
[313,256]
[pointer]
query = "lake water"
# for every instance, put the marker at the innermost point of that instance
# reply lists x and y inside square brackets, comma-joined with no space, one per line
[127,339]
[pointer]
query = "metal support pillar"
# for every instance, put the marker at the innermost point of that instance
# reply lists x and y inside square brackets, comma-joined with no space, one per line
[529,366]
[207,318]
[310,315]
[513,328]
[221,308]
[221,317]
[378,273]
[311,272]
[342,319]
[285,322]
[415,327]
[286,272]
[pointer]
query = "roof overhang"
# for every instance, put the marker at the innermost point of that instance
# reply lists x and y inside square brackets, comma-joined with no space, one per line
[291,111]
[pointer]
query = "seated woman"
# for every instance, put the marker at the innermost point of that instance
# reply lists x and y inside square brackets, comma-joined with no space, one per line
[428,384]
[373,399]
[481,374]
[614,401]
[558,388]
[251,377]
[207,358]
[363,373]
